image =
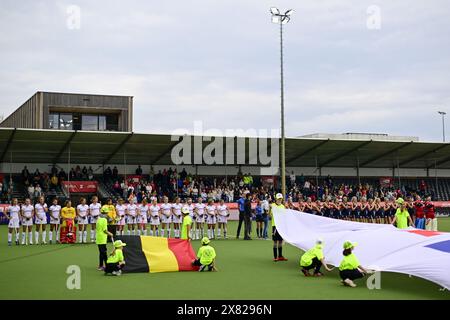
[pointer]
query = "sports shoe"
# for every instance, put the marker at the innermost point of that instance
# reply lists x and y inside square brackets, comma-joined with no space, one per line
[101,269]
[275,259]
[349,283]
[43,242]
[9,243]
[17,242]
[282,259]
[306,273]
[318,274]
[50,242]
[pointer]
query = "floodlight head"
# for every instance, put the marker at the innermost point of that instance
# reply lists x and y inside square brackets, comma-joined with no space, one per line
[276,19]
[289,12]
[285,20]
[274,10]
[442,113]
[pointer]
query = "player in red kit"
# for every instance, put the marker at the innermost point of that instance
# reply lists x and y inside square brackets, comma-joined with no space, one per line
[431,222]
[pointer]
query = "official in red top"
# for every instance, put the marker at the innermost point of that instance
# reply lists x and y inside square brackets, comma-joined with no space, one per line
[419,207]
[431,220]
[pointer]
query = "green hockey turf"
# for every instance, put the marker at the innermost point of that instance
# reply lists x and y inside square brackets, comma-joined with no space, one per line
[246,271]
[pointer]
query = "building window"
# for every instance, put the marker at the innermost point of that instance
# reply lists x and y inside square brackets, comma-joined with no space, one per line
[112,122]
[65,121]
[102,123]
[53,121]
[89,122]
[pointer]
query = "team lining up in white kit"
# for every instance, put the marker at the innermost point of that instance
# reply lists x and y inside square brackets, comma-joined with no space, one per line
[137,217]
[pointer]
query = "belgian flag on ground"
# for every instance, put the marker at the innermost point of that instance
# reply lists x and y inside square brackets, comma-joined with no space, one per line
[155,254]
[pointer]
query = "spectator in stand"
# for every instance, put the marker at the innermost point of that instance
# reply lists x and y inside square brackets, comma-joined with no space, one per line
[115,173]
[36,177]
[84,173]
[62,176]
[292,179]
[124,187]
[329,181]
[37,191]
[78,174]
[116,187]
[183,174]
[72,174]
[307,187]
[130,190]
[107,174]
[139,170]
[90,174]
[25,174]
[151,173]
[54,170]
[31,191]
[45,181]
[53,182]
[422,188]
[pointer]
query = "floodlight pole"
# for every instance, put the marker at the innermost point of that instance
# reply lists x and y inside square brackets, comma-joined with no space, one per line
[283,149]
[442,113]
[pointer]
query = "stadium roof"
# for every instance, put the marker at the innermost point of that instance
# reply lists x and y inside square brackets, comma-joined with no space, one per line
[52,146]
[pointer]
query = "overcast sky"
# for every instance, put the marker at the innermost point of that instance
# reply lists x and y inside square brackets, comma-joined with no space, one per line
[218,61]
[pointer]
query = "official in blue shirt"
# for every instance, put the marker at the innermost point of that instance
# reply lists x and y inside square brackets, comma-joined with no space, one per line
[240,202]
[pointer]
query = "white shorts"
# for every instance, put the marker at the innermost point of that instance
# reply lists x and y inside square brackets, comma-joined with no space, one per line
[27,222]
[93,219]
[154,221]
[121,221]
[142,219]
[222,219]
[432,224]
[210,219]
[176,219]
[200,219]
[54,221]
[40,220]
[165,219]
[131,220]
[14,223]
[83,220]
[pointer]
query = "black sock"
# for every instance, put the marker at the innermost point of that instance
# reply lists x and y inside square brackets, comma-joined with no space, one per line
[280,251]
[275,253]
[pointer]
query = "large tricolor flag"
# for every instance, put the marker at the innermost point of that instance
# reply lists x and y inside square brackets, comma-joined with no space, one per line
[381,247]
[155,254]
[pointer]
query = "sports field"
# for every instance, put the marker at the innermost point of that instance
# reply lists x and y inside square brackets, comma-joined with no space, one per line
[246,271]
